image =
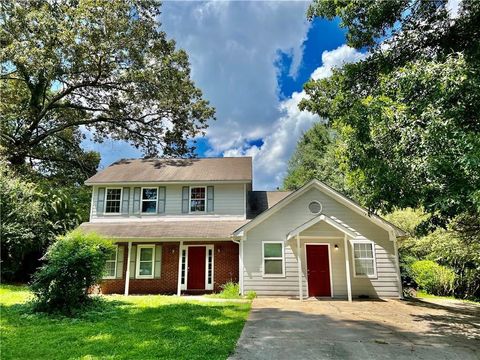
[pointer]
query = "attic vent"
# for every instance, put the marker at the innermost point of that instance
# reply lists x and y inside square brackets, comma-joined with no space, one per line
[315,207]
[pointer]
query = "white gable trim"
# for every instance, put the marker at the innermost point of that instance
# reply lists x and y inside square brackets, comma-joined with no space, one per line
[330,192]
[337,225]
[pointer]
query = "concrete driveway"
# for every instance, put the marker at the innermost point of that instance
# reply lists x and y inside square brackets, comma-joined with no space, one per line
[280,328]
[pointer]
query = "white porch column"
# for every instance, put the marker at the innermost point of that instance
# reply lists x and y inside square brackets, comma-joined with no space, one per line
[179,281]
[299,263]
[347,268]
[240,264]
[127,273]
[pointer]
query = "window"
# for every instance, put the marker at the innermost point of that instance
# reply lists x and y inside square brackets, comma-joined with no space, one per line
[273,262]
[145,261]
[111,266]
[197,199]
[315,207]
[209,267]
[184,262]
[149,200]
[113,200]
[364,259]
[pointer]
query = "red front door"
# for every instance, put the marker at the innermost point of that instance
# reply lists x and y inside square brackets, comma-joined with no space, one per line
[196,268]
[318,270]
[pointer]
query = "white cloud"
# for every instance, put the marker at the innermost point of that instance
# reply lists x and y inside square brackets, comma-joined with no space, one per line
[271,159]
[336,58]
[453,7]
[233,47]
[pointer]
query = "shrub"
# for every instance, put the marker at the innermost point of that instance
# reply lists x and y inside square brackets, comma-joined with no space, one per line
[251,294]
[230,290]
[73,264]
[433,278]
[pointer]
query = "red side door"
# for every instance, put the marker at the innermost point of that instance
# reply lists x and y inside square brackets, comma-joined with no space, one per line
[318,270]
[196,267]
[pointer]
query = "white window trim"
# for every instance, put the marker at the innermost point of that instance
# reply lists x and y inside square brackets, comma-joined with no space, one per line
[142,200]
[190,200]
[137,263]
[115,261]
[273,258]
[105,201]
[374,275]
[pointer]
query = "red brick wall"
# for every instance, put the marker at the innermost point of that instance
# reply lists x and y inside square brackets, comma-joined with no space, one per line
[225,269]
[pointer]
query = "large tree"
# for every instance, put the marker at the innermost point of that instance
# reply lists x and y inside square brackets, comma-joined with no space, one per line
[317,156]
[408,113]
[69,67]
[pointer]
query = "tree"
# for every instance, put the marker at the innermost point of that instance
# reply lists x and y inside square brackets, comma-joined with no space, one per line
[103,66]
[316,157]
[408,113]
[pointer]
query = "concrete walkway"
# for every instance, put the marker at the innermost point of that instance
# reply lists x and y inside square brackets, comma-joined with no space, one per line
[290,329]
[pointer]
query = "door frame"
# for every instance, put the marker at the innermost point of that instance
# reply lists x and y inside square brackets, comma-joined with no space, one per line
[329,265]
[207,247]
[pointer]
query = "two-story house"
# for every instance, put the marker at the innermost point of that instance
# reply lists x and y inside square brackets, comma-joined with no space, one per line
[191,225]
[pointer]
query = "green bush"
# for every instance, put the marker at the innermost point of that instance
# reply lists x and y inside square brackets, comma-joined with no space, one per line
[251,294]
[433,278]
[230,290]
[73,264]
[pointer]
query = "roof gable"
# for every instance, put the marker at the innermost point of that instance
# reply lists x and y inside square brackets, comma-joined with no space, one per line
[175,170]
[325,189]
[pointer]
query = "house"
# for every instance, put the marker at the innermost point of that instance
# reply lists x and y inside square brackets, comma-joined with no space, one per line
[191,225]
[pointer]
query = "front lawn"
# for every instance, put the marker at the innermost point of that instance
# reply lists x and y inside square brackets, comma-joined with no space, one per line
[134,327]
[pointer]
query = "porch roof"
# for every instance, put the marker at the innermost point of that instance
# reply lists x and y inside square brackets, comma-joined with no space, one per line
[331,220]
[221,230]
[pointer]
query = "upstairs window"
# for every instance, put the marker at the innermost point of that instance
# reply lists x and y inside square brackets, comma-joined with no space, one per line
[113,200]
[364,259]
[197,199]
[149,200]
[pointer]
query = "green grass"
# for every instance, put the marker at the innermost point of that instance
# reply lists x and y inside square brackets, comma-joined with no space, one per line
[424,295]
[134,327]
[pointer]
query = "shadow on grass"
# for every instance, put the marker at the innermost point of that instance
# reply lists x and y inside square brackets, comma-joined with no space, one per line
[125,330]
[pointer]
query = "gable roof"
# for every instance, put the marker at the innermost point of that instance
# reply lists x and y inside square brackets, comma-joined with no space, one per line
[397,232]
[259,201]
[175,170]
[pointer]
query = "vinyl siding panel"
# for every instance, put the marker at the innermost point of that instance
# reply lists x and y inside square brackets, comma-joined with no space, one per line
[229,199]
[293,215]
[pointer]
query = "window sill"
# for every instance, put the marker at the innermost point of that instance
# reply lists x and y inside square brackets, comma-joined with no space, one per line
[273,276]
[139,277]
[365,276]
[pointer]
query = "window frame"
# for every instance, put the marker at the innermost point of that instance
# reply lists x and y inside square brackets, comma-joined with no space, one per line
[374,258]
[115,263]
[142,200]
[190,200]
[105,200]
[273,258]
[137,262]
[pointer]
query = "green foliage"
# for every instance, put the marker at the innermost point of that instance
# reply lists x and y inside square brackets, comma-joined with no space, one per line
[73,264]
[22,217]
[33,214]
[251,294]
[408,113]
[317,156]
[434,278]
[103,65]
[230,290]
[120,327]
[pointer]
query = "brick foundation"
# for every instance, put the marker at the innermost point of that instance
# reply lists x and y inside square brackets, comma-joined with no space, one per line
[225,269]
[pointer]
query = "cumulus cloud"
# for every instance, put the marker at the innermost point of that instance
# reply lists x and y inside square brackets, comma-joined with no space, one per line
[233,47]
[271,159]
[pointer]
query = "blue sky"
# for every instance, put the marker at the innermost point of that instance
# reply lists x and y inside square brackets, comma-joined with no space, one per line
[251,60]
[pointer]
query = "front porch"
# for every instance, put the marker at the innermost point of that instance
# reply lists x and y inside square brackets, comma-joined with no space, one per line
[172,267]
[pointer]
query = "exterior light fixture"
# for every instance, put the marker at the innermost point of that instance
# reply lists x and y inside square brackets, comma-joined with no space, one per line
[336,247]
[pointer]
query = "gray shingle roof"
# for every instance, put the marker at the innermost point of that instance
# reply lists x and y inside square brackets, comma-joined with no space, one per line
[175,170]
[203,229]
[259,201]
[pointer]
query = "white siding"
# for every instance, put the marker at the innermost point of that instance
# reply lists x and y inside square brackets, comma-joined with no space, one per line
[293,215]
[229,199]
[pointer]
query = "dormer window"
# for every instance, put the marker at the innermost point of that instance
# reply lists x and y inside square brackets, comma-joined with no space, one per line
[197,199]
[113,200]
[149,200]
